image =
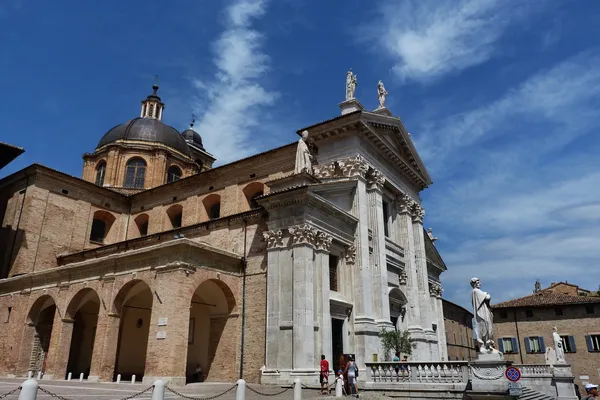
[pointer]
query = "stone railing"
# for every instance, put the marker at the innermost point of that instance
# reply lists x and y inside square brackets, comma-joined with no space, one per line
[534,371]
[418,372]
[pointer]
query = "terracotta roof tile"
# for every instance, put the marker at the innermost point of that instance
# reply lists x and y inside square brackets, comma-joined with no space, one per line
[546,298]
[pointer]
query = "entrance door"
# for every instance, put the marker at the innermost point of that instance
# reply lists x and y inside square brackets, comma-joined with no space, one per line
[337,337]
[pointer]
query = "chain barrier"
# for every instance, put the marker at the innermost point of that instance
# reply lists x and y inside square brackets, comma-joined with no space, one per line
[270,394]
[9,393]
[59,397]
[200,398]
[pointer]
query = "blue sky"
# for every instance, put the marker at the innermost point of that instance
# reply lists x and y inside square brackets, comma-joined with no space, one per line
[500,96]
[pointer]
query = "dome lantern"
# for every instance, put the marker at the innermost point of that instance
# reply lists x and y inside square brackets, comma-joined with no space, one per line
[152,106]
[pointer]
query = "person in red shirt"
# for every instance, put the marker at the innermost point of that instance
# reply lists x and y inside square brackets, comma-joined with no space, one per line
[324,377]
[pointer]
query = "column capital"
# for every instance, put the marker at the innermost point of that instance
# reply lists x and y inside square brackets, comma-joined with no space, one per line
[405,204]
[435,289]
[354,166]
[274,238]
[402,278]
[375,179]
[418,212]
[323,241]
[350,254]
[303,234]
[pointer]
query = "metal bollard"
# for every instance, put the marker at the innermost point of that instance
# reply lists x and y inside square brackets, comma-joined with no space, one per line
[29,374]
[240,391]
[158,391]
[338,387]
[39,375]
[69,376]
[29,390]
[297,389]
[132,379]
[119,378]
[81,377]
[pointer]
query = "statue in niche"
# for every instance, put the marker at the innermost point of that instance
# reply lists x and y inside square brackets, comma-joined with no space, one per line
[483,318]
[381,94]
[351,82]
[558,347]
[303,156]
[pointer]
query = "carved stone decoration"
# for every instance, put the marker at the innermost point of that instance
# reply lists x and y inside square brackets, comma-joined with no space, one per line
[435,289]
[354,166]
[403,277]
[351,255]
[375,178]
[418,212]
[323,241]
[405,204]
[488,373]
[273,238]
[303,234]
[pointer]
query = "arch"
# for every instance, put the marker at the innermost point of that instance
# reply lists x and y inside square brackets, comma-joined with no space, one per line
[135,173]
[174,174]
[397,301]
[41,316]
[212,205]
[212,331]
[83,309]
[252,191]
[133,303]
[141,222]
[100,173]
[175,215]
[101,223]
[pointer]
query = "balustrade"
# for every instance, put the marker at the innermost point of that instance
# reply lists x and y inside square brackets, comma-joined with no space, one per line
[534,370]
[418,372]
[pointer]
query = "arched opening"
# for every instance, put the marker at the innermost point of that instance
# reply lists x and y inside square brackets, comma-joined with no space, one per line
[212,333]
[141,222]
[173,174]
[397,307]
[252,191]
[100,172]
[83,309]
[135,173]
[212,205]
[134,305]
[101,224]
[175,214]
[41,316]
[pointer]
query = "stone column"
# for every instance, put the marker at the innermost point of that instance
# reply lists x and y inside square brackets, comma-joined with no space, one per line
[435,290]
[323,310]
[425,301]
[303,239]
[56,367]
[413,311]
[375,181]
[104,355]
[274,243]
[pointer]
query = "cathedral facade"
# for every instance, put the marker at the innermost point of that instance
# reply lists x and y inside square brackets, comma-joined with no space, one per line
[155,261]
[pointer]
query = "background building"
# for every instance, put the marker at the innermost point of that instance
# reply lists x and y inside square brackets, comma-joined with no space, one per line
[458,323]
[524,327]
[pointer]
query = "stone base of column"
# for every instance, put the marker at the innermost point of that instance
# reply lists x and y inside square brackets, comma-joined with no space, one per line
[173,380]
[384,324]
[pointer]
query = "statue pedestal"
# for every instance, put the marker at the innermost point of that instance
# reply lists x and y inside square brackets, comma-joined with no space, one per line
[487,373]
[350,106]
[564,381]
[383,111]
[293,180]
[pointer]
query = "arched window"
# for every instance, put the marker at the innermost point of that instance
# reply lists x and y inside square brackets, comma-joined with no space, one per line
[252,191]
[101,224]
[175,213]
[135,173]
[173,174]
[141,221]
[100,172]
[212,205]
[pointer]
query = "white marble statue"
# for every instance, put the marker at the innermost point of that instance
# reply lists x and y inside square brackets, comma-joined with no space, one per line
[303,156]
[558,347]
[483,318]
[381,94]
[351,83]
[550,356]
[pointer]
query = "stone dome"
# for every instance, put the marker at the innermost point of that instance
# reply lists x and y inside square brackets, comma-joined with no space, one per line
[193,137]
[147,130]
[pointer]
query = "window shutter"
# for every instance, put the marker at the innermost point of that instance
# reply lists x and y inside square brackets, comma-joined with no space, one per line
[501,345]
[515,345]
[572,344]
[542,347]
[527,345]
[588,340]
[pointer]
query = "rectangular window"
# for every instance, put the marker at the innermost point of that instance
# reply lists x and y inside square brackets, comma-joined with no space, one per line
[508,345]
[558,311]
[589,309]
[593,343]
[569,344]
[386,217]
[333,272]
[534,344]
[529,313]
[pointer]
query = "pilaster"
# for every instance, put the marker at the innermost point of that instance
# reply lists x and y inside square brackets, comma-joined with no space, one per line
[323,344]
[274,241]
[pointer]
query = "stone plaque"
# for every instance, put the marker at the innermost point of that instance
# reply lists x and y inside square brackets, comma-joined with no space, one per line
[161,335]
[162,321]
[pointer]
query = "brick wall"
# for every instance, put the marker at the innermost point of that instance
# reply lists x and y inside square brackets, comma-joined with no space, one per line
[459,332]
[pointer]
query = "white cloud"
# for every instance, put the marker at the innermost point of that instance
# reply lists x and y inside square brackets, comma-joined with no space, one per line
[428,39]
[230,104]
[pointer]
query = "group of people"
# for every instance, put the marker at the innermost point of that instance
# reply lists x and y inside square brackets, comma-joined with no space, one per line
[346,374]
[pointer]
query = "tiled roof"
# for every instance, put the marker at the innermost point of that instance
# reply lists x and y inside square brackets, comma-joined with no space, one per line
[546,298]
